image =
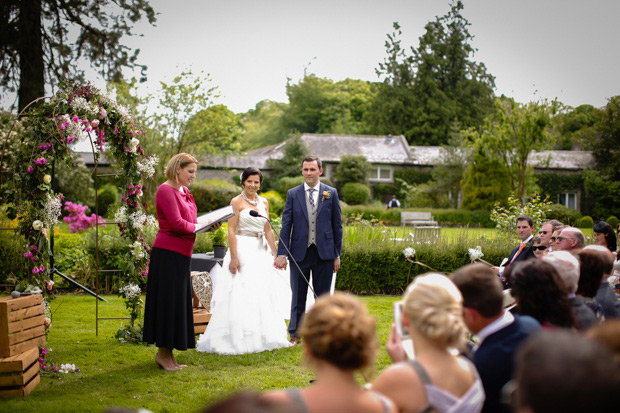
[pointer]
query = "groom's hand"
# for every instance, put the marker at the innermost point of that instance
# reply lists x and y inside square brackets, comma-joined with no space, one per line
[280,263]
[336,264]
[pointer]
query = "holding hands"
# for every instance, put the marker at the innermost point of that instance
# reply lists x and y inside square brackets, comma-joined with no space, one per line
[280,263]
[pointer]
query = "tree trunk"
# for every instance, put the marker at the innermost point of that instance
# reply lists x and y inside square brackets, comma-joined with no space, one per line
[30,44]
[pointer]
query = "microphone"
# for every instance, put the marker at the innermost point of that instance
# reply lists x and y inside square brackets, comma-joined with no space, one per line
[256,214]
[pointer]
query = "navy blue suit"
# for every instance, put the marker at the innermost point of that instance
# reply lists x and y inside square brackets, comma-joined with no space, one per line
[495,358]
[319,258]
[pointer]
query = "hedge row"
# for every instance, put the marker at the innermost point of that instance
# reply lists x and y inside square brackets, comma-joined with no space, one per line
[383,269]
[445,217]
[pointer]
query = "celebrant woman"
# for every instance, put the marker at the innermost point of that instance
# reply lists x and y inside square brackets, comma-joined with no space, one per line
[251,298]
[168,319]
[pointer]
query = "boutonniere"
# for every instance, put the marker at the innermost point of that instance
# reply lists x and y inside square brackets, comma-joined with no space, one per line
[326,195]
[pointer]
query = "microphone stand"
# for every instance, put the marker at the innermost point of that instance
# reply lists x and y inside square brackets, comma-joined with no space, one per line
[256,214]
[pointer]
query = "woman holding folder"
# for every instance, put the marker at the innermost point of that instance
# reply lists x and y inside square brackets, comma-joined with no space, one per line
[168,319]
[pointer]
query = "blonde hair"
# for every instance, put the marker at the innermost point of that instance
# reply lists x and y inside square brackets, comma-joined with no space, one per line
[434,305]
[180,160]
[338,329]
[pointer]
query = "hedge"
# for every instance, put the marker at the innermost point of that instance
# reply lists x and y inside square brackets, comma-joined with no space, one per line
[381,268]
[446,217]
[209,197]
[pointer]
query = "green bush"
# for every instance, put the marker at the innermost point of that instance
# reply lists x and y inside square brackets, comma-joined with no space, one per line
[286,183]
[352,169]
[445,217]
[107,196]
[563,214]
[11,255]
[204,243]
[585,222]
[276,203]
[372,263]
[220,236]
[210,197]
[355,194]
[613,221]
[381,191]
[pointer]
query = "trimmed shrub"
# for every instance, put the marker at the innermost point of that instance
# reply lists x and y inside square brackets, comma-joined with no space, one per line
[445,217]
[585,222]
[355,194]
[286,183]
[107,196]
[613,222]
[276,203]
[563,214]
[210,197]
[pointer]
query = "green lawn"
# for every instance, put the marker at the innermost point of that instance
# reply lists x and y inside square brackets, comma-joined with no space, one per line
[117,374]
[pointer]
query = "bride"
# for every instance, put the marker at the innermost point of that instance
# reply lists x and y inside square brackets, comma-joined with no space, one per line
[251,298]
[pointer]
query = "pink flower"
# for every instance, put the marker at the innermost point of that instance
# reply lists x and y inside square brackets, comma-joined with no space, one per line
[41,268]
[94,123]
[63,126]
[87,129]
[103,113]
[30,169]
[41,161]
[35,270]
[44,351]
[85,121]
[75,119]
[70,139]
[28,254]
[53,367]
[44,367]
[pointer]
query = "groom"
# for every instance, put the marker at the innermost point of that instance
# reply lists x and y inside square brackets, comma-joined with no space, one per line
[312,230]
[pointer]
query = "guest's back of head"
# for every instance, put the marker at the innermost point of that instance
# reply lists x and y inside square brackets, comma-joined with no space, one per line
[607,334]
[338,329]
[540,293]
[560,371]
[249,402]
[481,289]
[567,267]
[433,304]
[594,265]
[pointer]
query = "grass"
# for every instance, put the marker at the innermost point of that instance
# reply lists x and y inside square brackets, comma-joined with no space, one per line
[122,374]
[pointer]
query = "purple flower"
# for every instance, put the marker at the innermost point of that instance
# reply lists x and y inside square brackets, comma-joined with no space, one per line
[63,126]
[70,139]
[28,254]
[87,129]
[41,161]
[53,367]
[75,119]
[44,351]
[30,169]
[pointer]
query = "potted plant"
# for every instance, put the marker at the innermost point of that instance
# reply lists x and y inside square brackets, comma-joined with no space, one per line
[219,243]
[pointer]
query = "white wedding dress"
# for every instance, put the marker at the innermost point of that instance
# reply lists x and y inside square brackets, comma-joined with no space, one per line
[248,308]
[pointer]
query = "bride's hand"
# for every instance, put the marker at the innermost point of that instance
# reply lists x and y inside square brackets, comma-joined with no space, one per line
[234,265]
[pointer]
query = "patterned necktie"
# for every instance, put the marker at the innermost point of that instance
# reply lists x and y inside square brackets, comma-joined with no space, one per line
[311,197]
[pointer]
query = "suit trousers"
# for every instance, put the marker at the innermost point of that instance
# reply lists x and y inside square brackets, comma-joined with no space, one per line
[322,273]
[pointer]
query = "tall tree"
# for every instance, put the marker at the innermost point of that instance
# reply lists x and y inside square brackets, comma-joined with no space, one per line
[262,125]
[290,164]
[426,94]
[214,130]
[513,133]
[37,42]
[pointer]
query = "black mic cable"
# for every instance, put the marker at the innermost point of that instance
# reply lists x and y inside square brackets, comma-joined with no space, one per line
[256,214]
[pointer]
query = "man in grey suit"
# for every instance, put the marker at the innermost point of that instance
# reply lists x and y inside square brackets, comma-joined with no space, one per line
[312,231]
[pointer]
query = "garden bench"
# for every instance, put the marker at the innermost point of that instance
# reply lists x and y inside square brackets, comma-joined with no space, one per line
[423,219]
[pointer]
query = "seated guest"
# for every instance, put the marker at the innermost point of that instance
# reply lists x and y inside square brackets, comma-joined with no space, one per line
[538,247]
[596,265]
[546,231]
[525,229]
[567,268]
[608,334]
[571,239]
[604,235]
[437,379]
[553,242]
[249,402]
[560,371]
[338,335]
[499,332]
[539,293]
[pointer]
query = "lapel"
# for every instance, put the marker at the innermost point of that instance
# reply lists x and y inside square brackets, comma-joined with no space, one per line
[301,200]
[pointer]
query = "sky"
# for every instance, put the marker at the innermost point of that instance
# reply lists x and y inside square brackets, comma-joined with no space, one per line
[536,49]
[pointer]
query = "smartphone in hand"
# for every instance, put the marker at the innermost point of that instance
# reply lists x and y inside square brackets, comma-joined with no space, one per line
[398,321]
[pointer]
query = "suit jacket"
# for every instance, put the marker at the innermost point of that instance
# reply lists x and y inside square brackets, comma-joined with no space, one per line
[494,359]
[526,254]
[295,228]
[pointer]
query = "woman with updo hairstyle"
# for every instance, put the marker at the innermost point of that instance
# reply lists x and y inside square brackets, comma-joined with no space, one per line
[437,379]
[604,235]
[338,336]
[539,293]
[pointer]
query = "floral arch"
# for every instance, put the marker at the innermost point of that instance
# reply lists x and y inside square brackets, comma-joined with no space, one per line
[48,128]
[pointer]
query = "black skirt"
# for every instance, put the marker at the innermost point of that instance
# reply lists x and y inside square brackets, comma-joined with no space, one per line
[168,318]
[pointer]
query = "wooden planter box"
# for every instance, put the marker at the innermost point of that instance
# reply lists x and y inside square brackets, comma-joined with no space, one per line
[201,319]
[19,374]
[21,324]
